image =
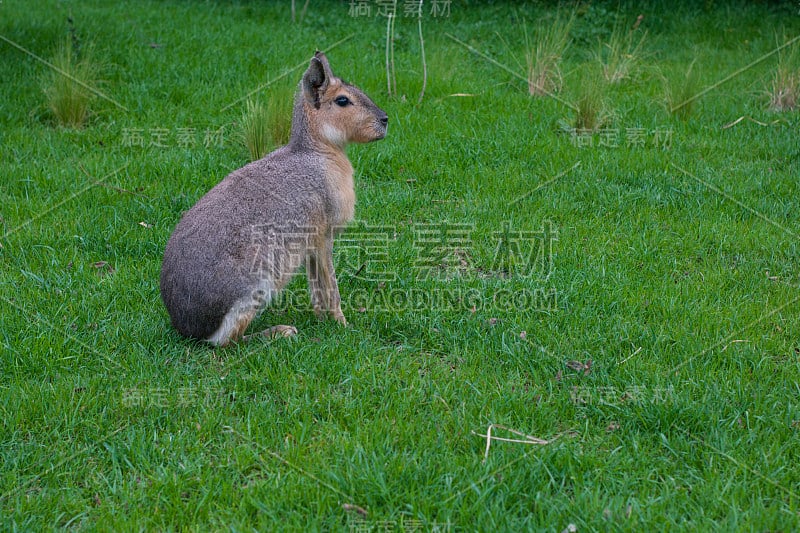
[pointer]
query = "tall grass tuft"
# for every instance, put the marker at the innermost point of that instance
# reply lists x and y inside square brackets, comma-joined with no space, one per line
[255,130]
[544,56]
[621,54]
[592,111]
[279,111]
[784,92]
[265,127]
[67,86]
[680,92]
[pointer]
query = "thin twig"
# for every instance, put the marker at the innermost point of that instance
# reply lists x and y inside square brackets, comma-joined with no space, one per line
[515,74]
[112,187]
[548,182]
[503,439]
[745,117]
[422,49]
[262,449]
[639,349]
[63,73]
[126,191]
[394,75]
[488,442]
[528,439]
[735,341]
[388,72]
[734,74]
[286,73]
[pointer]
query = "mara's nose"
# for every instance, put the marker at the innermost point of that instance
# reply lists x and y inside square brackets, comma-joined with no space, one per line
[384,120]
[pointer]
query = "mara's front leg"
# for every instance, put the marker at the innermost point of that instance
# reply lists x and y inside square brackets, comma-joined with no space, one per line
[322,282]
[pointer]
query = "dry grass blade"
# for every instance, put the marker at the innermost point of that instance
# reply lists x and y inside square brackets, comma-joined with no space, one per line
[749,119]
[391,77]
[422,52]
[579,366]
[527,439]
[351,507]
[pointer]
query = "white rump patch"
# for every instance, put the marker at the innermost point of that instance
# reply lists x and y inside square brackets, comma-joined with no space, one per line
[245,308]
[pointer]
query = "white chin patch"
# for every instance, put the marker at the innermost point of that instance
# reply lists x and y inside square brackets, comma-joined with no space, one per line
[334,135]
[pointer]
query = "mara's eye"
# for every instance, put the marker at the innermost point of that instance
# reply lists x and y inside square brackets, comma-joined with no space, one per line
[342,101]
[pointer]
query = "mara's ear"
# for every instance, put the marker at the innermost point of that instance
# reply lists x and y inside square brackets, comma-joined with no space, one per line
[316,79]
[325,65]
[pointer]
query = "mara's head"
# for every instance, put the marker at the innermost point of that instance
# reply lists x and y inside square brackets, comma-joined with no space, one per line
[336,112]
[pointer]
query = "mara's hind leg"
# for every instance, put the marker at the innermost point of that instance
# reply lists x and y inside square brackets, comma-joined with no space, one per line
[233,325]
[239,317]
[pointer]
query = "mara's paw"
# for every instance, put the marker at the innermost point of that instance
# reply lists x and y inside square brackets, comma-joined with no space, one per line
[280,331]
[273,333]
[338,316]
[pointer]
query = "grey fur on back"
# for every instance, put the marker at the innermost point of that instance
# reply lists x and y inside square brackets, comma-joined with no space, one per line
[211,255]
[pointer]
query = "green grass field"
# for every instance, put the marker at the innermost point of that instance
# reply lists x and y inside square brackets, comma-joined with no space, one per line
[629,295]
